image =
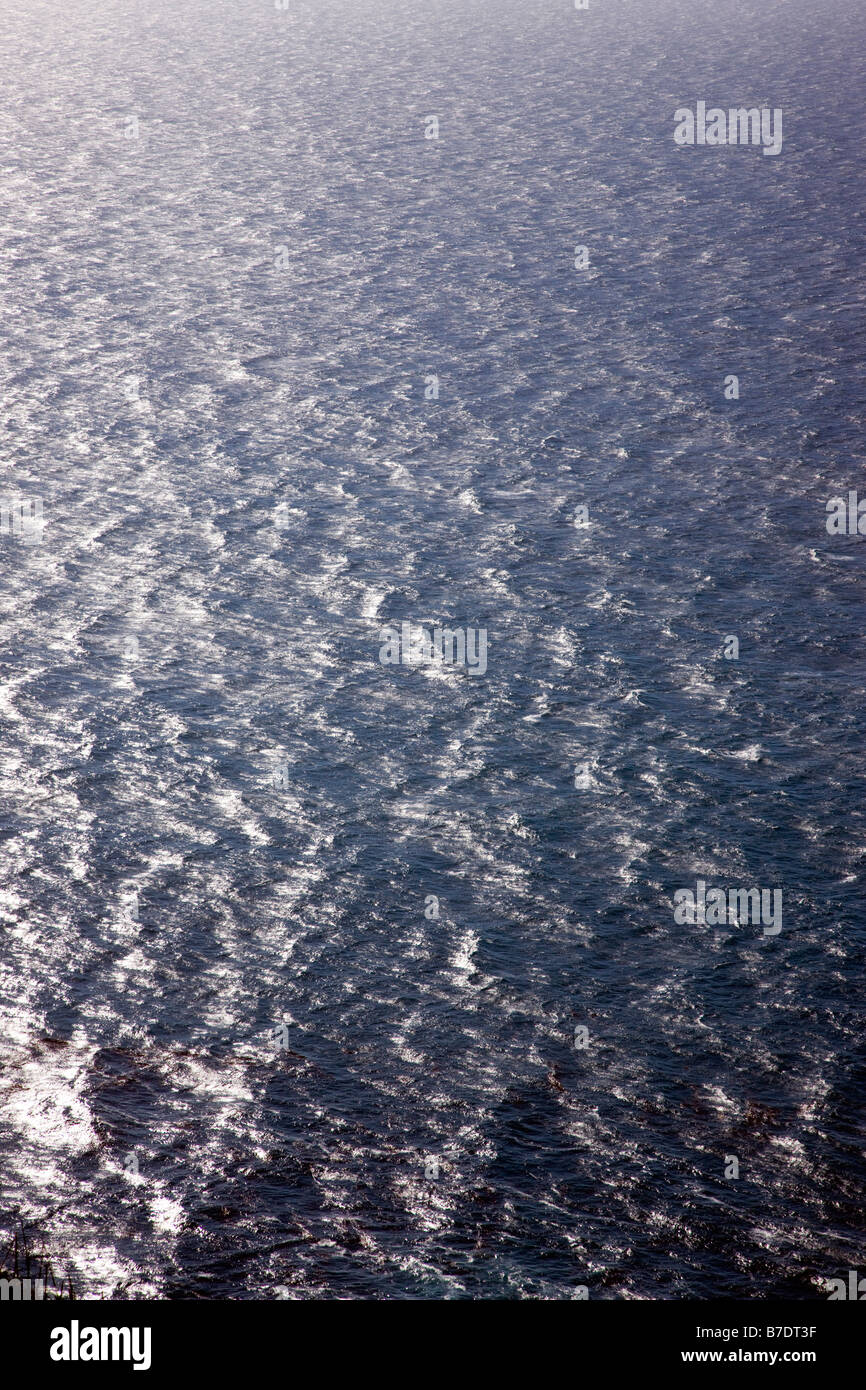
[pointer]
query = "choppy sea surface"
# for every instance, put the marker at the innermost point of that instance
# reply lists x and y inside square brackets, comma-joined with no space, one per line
[231,260]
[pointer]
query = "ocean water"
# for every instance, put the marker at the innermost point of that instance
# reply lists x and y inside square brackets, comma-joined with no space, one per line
[231,261]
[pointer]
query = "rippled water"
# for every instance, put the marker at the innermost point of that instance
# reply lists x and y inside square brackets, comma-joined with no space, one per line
[243,482]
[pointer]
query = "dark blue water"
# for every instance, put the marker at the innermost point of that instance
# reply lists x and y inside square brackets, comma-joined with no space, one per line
[221,814]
